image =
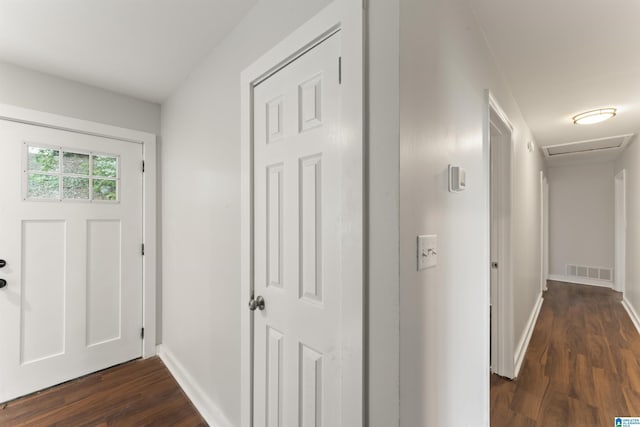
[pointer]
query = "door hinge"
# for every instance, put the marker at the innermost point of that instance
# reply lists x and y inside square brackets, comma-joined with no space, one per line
[143,166]
[339,70]
[142,333]
[142,249]
[364,4]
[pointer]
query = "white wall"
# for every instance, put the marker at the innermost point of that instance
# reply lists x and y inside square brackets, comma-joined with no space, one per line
[630,161]
[43,92]
[201,205]
[444,311]
[384,212]
[581,215]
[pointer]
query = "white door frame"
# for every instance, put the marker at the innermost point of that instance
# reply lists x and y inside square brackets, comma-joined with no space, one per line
[503,362]
[544,231]
[347,16]
[620,238]
[148,141]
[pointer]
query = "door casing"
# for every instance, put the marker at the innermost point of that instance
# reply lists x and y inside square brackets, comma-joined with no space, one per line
[620,230]
[502,362]
[544,231]
[148,141]
[346,16]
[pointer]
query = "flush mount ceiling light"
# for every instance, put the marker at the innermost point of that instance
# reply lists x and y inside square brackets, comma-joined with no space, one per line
[594,116]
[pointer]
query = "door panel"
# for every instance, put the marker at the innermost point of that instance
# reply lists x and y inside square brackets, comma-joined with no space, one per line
[42,307]
[297,242]
[70,231]
[104,246]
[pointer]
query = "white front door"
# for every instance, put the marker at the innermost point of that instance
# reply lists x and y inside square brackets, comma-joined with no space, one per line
[71,235]
[298,218]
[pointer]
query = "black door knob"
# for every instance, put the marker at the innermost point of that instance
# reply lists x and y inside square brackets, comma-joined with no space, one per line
[3,283]
[2,263]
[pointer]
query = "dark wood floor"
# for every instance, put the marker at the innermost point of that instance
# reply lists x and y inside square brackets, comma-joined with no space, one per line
[139,393]
[582,367]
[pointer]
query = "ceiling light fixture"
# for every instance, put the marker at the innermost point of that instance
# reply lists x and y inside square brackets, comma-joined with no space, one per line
[594,116]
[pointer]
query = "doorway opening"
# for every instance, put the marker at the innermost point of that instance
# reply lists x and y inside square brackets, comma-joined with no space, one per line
[501,294]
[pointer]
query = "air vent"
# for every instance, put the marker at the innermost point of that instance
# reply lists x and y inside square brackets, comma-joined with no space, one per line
[605,274]
[594,273]
[592,145]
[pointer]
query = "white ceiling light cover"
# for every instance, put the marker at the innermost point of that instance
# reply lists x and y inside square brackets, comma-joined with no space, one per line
[594,116]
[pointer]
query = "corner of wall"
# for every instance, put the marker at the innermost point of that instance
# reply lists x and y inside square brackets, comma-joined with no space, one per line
[207,408]
[384,213]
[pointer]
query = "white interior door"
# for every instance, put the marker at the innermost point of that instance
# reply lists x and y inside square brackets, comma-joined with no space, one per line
[71,234]
[494,239]
[502,347]
[298,218]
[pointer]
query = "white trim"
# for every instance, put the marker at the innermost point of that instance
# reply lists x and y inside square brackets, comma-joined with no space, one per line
[207,408]
[503,332]
[581,280]
[148,141]
[348,16]
[493,104]
[546,232]
[632,313]
[620,231]
[523,344]
[542,281]
[543,231]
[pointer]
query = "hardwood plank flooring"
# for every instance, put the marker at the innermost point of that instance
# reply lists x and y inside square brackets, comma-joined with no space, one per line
[582,367]
[138,393]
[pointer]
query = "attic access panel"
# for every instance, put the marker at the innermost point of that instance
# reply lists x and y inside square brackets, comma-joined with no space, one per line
[592,145]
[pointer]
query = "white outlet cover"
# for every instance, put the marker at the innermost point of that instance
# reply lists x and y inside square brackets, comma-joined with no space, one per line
[427,251]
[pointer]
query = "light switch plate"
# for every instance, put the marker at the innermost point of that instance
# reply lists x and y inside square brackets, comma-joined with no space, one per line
[427,251]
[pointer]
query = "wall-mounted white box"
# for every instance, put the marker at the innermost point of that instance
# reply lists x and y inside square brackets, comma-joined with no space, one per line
[457,179]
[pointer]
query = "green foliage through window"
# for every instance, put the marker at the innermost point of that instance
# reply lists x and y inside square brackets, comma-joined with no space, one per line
[75,188]
[44,159]
[43,186]
[83,176]
[105,166]
[75,163]
[104,189]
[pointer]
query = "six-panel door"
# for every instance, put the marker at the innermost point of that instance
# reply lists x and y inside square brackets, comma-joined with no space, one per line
[297,214]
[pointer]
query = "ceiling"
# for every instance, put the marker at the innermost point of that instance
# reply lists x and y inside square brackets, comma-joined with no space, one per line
[142,48]
[561,58]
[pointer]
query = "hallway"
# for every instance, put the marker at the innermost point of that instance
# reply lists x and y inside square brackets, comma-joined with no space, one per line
[581,368]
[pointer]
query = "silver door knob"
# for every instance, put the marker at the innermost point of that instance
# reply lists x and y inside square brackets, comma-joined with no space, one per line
[256,303]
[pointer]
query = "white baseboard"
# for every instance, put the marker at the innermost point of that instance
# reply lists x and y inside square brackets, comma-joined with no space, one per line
[632,313]
[581,280]
[521,349]
[209,410]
